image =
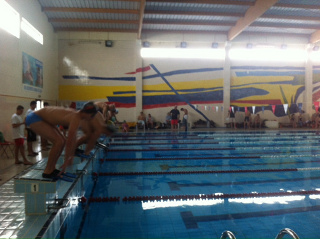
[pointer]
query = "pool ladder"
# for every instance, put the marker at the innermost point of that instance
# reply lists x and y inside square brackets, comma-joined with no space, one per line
[281,234]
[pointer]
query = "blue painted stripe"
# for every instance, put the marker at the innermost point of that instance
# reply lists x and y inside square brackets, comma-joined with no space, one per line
[180,96]
[75,77]
[186,71]
[267,68]
[269,73]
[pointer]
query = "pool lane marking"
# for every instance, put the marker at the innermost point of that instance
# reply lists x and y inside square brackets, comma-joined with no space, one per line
[217,196]
[173,158]
[168,149]
[207,172]
[168,143]
[175,186]
[167,167]
[191,222]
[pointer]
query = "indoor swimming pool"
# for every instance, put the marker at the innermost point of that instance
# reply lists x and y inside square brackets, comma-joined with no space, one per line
[197,185]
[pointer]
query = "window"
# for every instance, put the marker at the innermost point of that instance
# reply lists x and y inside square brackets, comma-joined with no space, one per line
[31,31]
[9,19]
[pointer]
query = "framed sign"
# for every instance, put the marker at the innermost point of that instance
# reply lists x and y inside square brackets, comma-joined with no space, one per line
[32,73]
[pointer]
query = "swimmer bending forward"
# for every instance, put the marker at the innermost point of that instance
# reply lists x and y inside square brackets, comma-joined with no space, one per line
[44,123]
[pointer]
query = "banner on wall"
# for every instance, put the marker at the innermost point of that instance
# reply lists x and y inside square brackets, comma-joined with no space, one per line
[32,73]
[273,108]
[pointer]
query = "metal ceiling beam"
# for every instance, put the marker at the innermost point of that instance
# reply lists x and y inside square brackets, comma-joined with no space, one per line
[216,23]
[86,10]
[220,14]
[184,32]
[283,25]
[304,6]
[197,23]
[254,12]
[303,18]
[70,29]
[315,37]
[82,20]
[142,7]
[221,2]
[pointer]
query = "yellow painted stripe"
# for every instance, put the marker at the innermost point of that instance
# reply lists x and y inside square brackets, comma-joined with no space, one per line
[83,93]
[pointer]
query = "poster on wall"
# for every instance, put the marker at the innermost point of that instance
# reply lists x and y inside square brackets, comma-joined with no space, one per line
[32,73]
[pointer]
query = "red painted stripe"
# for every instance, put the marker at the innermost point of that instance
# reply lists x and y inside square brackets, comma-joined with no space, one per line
[143,69]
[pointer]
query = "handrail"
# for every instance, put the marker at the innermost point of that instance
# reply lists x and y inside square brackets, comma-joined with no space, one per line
[287,231]
[227,234]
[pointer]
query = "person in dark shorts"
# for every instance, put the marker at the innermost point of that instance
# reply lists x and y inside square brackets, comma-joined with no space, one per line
[31,136]
[175,114]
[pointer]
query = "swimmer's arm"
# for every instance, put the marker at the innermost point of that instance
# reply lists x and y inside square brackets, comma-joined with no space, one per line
[71,139]
[91,142]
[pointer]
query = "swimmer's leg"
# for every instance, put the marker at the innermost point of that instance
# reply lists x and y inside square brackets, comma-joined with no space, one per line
[55,137]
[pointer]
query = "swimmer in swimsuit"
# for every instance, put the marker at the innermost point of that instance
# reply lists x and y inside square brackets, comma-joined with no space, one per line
[44,121]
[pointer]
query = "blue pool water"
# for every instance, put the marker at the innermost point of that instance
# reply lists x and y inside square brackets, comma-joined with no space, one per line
[251,183]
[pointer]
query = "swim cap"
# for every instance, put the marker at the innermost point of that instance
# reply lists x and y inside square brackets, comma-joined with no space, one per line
[89,108]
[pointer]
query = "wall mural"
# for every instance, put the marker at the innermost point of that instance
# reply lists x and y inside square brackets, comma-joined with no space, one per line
[316,84]
[264,87]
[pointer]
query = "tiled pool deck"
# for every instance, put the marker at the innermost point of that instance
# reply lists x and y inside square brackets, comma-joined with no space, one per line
[13,221]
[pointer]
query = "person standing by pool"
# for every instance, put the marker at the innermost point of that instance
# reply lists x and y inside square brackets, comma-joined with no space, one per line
[247,120]
[232,120]
[175,115]
[44,121]
[185,119]
[18,135]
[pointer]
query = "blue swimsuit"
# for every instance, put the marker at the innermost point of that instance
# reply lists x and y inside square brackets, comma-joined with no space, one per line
[32,118]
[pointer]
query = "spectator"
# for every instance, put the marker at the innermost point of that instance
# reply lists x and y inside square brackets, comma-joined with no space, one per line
[141,119]
[185,119]
[247,120]
[31,136]
[293,121]
[231,117]
[168,119]
[18,135]
[150,122]
[257,121]
[125,127]
[175,115]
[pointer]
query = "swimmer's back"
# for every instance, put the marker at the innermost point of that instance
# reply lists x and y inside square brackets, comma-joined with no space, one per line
[57,115]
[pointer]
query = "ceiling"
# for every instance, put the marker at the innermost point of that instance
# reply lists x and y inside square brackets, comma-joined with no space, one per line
[230,17]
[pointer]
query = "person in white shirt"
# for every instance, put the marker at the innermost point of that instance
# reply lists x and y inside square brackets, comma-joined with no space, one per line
[18,135]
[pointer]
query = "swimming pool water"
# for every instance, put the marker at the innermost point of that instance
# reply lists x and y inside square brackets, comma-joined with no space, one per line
[250,183]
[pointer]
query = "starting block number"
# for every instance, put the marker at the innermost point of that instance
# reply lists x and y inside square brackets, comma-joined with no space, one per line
[34,187]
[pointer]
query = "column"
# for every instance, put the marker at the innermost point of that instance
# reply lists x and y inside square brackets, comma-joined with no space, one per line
[139,84]
[307,101]
[226,83]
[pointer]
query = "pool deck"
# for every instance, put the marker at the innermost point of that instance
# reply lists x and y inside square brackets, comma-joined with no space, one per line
[13,221]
